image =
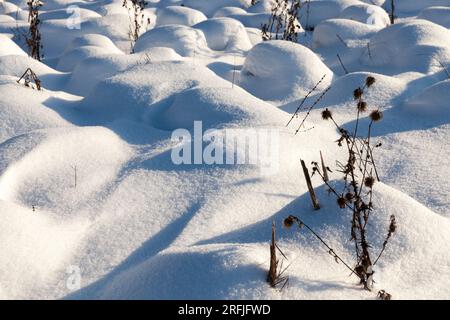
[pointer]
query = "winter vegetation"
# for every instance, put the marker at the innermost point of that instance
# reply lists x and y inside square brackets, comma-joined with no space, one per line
[225,149]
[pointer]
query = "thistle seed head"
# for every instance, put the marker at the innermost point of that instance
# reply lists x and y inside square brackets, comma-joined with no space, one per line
[326,114]
[376,115]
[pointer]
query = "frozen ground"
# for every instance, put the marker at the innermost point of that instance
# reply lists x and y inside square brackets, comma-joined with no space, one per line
[138,226]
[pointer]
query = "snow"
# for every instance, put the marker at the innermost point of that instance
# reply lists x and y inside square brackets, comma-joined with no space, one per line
[225,34]
[8,47]
[336,32]
[186,41]
[408,6]
[179,15]
[417,45]
[314,12]
[438,15]
[88,181]
[369,14]
[432,102]
[300,68]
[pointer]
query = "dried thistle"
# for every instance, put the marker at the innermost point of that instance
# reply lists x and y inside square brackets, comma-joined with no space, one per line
[341,202]
[369,182]
[362,106]
[326,114]
[358,180]
[370,81]
[357,94]
[137,19]
[376,115]
[33,38]
[349,196]
[289,222]
[383,295]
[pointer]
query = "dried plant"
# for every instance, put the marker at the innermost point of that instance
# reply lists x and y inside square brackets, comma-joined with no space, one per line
[359,177]
[383,295]
[276,276]
[33,38]
[28,77]
[137,19]
[283,22]
[392,13]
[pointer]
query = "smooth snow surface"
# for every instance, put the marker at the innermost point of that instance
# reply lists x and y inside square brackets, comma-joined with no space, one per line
[94,206]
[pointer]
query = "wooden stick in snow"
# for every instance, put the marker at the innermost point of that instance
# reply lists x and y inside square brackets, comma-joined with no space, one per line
[324,168]
[272,276]
[310,187]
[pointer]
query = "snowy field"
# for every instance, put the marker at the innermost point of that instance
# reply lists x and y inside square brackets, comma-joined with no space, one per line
[94,205]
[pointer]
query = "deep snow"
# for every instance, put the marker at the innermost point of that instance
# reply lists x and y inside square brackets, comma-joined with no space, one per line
[87,182]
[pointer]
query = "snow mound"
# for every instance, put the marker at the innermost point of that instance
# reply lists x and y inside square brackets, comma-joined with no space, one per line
[9,47]
[251,20]
[225,34]
[416,45]
[84,47]
[186,41]
[379,96]
[8,7]
[314,12]
[408,6]
[14,65]
[439,15]
[91,71]
[239,271]
[214,107]
[432,102]
[43,174]
[82,14]
[281,70]
[209,7]
[333,31]
[227,11]
[25,111]
[4,18]
[231,269]
[130,93]
[34,246]
[179,15]
[369,14]
[93,40]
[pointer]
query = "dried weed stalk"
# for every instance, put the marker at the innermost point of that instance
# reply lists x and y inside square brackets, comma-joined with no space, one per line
[33,37]
[359,177]
[283,23]
[137,19]
[28,77]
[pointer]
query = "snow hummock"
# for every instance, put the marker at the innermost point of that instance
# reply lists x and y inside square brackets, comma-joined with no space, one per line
[300,68]
[432,102]
[225,34]
[416,45]
[439,15]
[416,5]
[338,32]
[8,47]
[369,14]
[179,15]
[185,40]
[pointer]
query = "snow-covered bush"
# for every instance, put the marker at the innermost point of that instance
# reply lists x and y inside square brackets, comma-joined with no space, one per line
[282,70]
